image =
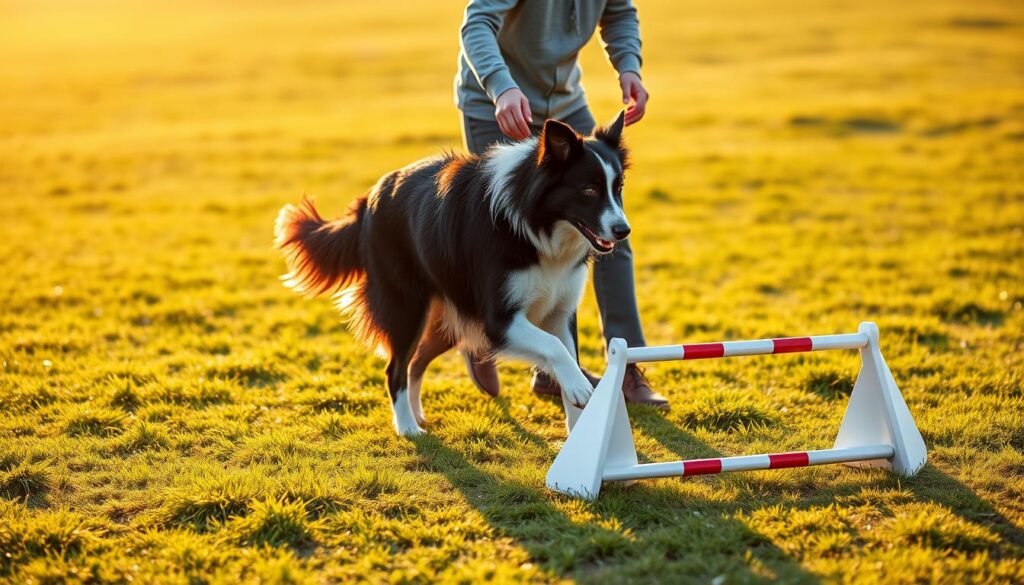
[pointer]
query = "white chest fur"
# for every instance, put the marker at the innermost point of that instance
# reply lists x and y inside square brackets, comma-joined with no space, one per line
[546,289]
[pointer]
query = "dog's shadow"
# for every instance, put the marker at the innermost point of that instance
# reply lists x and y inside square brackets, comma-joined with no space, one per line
[642,530]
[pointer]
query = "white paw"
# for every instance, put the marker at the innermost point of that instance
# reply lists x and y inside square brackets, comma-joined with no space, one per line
[577,389]
[409,429]
[404,416]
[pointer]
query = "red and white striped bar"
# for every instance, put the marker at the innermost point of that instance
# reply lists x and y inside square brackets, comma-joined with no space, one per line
[698,351]
[749,463]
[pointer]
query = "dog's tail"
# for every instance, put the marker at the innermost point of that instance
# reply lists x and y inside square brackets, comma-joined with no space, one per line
[323,256]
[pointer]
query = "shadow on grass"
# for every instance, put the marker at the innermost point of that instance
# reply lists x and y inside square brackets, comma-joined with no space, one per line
[643,532]
[931,485]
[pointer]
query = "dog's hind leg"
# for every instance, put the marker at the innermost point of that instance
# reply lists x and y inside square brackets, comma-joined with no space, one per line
[400,318]
[435,341]
[403,415]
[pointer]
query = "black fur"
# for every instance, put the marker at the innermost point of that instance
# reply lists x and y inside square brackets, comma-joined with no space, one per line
[428,232]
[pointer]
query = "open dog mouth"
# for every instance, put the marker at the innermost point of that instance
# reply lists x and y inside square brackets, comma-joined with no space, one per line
[601,245]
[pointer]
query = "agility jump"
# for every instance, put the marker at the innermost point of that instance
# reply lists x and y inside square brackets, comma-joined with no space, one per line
[877,429]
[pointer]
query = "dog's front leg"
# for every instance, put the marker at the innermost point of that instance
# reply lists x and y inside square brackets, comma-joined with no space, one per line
[560,325]
[526,341]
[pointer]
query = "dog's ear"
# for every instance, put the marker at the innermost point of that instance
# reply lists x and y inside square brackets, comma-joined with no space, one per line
[558,141]
[612,133]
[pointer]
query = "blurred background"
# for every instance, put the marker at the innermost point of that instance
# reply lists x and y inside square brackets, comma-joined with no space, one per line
[153,135]
[803,165]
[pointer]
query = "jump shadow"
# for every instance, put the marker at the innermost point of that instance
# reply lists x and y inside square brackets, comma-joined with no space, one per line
[640,531]
[931,485]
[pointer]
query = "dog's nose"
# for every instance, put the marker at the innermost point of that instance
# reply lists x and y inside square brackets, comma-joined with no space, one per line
[620,230]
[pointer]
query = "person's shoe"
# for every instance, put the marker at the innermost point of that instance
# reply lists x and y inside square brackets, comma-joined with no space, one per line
[483,373]
[545,385]
[637,389]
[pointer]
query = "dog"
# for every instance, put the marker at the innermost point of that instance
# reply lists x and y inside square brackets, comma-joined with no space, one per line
[485,253]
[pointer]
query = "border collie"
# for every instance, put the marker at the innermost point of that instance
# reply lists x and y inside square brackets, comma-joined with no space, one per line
[485,253]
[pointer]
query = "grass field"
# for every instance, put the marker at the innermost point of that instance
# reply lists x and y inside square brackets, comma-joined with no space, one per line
[170,413]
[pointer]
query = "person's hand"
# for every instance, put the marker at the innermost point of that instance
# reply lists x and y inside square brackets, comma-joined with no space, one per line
[633,91]
[512,111]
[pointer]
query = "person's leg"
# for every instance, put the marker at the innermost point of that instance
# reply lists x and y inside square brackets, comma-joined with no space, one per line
[616,295]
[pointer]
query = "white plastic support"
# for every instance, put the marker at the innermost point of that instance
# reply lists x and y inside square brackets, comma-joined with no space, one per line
[600,437]
[877,429]
[877,414]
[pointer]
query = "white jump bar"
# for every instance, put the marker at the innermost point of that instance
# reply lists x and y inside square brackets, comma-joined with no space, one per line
[749,463]
[695,351]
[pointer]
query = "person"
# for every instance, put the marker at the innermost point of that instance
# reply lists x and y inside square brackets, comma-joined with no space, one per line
[517,67]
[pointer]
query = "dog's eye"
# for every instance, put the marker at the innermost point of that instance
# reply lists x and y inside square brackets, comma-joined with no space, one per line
[590,191]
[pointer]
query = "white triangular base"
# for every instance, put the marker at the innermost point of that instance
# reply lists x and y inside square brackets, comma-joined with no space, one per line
[878,415]
[600,435]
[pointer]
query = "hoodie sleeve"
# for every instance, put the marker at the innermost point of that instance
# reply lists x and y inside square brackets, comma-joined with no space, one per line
[479,41]
[620,35]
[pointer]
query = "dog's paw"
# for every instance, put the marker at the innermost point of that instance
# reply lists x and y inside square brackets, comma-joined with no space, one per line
[405,417]
[409,430]
[577,389]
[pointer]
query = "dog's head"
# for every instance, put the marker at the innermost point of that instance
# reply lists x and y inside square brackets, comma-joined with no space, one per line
[584,182]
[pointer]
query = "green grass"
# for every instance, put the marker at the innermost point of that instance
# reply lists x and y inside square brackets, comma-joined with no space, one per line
[170,413]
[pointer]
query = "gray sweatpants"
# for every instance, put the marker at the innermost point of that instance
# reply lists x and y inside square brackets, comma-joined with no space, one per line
[613,273]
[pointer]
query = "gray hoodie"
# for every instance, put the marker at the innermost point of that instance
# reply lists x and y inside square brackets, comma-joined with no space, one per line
[533,45]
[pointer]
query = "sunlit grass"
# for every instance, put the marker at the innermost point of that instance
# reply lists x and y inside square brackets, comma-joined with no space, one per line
[170,413]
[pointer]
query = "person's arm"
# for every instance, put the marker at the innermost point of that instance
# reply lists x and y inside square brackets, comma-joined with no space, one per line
[620,36]
[479,41]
